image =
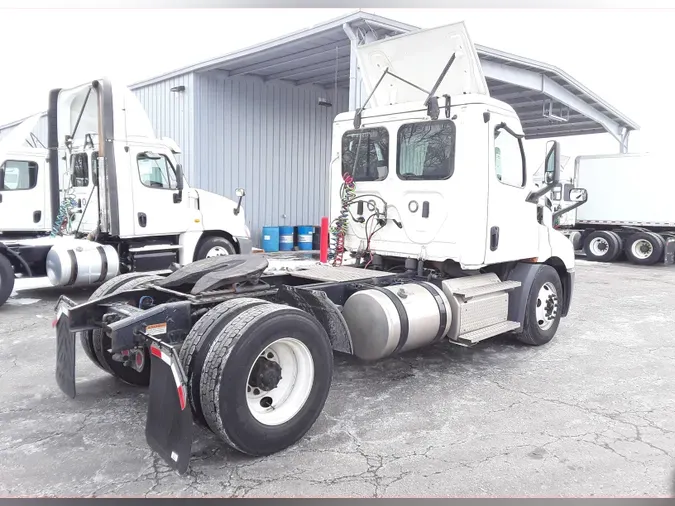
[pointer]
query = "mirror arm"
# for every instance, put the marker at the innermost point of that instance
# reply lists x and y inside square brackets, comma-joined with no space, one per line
[236,209]
[506,127]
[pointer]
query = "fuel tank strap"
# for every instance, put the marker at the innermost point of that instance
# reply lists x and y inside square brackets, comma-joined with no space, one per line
[402,315]
[104,264]
[442,311]
[73,268]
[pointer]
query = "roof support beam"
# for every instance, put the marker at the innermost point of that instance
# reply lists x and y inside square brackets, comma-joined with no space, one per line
[326,49]
[321,67]
[539,82]
[353,39]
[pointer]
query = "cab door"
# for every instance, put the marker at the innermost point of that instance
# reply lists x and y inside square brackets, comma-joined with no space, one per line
[158,210]
[23,189]
[512,226]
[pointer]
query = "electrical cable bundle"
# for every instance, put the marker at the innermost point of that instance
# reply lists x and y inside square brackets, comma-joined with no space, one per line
[341,223]
[63,222]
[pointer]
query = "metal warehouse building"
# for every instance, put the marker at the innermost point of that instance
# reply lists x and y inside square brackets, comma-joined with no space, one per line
[260,118]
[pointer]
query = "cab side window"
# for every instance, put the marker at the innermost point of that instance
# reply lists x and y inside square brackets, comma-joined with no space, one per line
[18,175]
[156,171]
[509,158]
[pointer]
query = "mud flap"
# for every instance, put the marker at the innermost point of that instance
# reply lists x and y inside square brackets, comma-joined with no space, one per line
[168,428]
[65,347]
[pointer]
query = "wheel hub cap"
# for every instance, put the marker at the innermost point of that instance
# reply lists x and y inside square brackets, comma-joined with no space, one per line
[217,251]
[266,374]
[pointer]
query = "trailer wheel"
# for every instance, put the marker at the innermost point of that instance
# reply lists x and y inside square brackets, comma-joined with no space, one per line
[215,247]
[543,310]
[86,337]
[266,378]
[602,246]
[644,248]
[102,342]
[198,342]
[6,279]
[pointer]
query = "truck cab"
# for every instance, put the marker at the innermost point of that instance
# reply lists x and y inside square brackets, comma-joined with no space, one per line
[24,195]
[446,180]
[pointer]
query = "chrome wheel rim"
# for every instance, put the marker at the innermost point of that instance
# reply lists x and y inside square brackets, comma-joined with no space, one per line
[546,310]
[217,251]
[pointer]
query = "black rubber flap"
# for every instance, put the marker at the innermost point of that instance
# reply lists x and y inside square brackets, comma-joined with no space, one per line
[168,427]
[220,271]
[65,348]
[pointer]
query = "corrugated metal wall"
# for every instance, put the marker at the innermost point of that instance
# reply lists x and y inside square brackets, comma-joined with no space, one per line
[273,139]
[172,115]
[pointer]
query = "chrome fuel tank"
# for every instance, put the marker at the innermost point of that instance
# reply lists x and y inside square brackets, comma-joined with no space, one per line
[80,262]
[384,321]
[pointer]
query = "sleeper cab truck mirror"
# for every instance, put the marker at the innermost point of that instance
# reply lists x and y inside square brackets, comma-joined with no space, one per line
[553,164]
[178,197]
[240,193]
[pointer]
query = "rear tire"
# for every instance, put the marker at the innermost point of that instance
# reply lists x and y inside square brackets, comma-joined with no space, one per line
[6,279]
[237,407]
[602,246]
[198,342]
[215,246]
[543,311]
[644,248]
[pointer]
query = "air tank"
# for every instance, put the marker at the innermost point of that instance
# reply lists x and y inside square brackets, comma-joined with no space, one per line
[388,320]
[80,262]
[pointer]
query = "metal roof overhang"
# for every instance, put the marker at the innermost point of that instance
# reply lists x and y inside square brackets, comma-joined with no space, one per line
[321,55]
[549,102]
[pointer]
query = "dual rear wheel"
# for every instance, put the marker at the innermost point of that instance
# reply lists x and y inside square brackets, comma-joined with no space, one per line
[258,373]
[641,248]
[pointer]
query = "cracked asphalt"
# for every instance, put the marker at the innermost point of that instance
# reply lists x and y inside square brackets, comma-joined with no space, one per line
[590,414]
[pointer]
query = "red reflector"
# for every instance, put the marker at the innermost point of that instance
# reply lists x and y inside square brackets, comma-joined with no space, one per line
[156,351]
[55,322]
[181,397]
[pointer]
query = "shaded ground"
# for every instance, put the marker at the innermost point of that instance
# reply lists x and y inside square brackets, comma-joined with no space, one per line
[589,414]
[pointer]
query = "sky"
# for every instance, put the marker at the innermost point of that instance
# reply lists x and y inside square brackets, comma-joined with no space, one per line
[617,53]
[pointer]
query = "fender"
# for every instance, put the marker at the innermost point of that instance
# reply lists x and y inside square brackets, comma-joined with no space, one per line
[525,273]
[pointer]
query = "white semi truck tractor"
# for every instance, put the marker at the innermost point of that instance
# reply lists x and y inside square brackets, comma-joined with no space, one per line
[104,199]
[439,236]
[629,214]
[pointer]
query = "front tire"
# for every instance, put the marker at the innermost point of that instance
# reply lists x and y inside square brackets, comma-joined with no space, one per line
[266,379]
[215,247]
[6,279]
[543,311]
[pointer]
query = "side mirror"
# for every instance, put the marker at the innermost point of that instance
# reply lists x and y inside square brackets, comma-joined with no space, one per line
[179,177]
[551,173]
[552,163]
[579,196]
[178,197]
[241,193]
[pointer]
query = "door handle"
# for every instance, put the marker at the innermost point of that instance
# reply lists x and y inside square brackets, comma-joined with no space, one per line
[0,198]
[494,238]
[36,216]
[142,219]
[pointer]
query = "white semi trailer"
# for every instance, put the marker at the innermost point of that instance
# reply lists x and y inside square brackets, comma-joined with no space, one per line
[104,199]
[451,241]
[629,213]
